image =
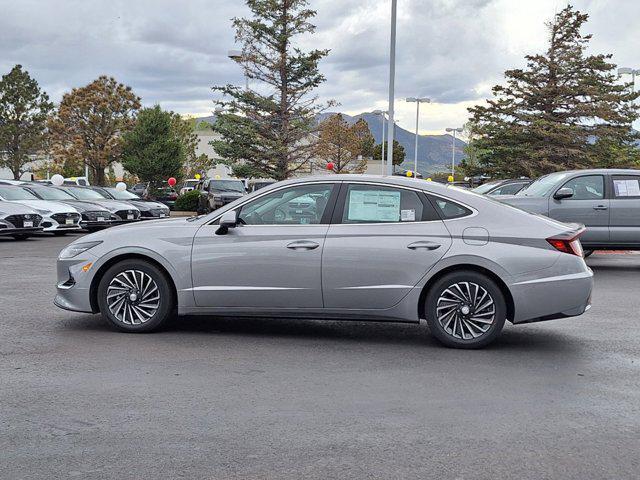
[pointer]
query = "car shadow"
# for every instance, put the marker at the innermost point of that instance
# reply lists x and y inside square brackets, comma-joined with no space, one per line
[521,338]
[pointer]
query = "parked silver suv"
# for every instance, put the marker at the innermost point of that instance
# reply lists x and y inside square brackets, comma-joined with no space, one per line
[606,201]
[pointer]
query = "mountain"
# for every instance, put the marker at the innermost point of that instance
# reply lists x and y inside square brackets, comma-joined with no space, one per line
[434,151]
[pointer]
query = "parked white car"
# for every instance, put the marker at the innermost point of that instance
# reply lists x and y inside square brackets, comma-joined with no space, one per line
[18,221]
[57,217]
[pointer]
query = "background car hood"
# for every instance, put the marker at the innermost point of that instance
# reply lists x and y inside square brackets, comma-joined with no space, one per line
[82,206]
[54,207]
[116,205]
[530,204]
[145,205]
[11,208]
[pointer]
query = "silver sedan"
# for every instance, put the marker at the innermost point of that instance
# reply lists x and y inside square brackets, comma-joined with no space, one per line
[341,247]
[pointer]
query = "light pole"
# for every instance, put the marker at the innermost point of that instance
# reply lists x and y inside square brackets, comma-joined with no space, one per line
[632,72]
[236,56]
[392,79]
[382,116]
[418,101]
[453,149]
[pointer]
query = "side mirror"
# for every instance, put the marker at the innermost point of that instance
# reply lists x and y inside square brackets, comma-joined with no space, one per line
[228,220]
[564,192]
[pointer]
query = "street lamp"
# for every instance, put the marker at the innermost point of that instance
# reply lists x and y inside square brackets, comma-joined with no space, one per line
[418,101]
[382,116]
[237,56]
[632,72]
[392,79]
[453,148]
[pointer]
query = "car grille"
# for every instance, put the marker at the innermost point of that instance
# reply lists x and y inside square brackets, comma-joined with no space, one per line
[61,218]
[94,216]
[153,213]
[18,220]
[123,214]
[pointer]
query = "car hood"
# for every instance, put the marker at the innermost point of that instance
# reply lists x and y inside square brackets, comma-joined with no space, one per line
[145,205]
[11,208]
[530,204]
[116,205]
[82,206]
[54,207]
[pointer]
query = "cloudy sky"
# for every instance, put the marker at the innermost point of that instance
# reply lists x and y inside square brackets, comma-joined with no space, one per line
[172,51]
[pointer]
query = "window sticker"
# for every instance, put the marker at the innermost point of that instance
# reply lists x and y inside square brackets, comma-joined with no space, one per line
[374,206]
[408,215]
[627,188]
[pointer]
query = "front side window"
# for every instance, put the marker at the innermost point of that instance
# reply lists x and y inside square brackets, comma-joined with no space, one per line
[589,187]
[626,186]
[300,205]
[379,204]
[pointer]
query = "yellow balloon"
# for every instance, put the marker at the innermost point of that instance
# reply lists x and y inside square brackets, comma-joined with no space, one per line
[197,176]
[217,177]
[409,173]
[429,179]
[450,179]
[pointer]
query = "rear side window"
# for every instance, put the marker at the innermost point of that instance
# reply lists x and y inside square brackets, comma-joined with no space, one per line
[449,209]
[626,186]
[380,204]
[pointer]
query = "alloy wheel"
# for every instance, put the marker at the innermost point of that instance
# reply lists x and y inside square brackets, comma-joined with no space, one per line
[133,297]
[465,310]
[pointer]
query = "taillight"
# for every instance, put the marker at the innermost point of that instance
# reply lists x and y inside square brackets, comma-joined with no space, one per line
[571,245]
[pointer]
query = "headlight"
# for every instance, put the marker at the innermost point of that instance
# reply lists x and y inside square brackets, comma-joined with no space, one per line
[76,249]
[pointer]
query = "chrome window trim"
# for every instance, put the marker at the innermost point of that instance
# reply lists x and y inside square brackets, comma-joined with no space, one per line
[474,212]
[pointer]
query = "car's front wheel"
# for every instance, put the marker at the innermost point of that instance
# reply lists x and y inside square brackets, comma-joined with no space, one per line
[135,296]
[21,236]
[465,309]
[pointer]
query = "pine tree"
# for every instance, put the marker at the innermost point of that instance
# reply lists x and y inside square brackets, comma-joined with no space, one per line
[566,110]
[24,109]
[268,127]
[398,152]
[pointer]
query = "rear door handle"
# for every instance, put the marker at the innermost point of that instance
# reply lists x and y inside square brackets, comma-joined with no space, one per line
[423,245]
[600,207]
[303,245]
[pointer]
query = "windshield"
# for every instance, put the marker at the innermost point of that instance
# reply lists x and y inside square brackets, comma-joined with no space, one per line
[47,193]
[226,186]
[191,183]
[16,193]
[125,195]
[485,187]
[543,185]
[84,194]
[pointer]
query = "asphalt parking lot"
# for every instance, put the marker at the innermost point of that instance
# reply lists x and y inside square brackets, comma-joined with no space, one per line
[269,398]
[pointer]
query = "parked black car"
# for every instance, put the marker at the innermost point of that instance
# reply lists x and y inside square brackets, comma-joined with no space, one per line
[509,186]
[218,192]
[148,208]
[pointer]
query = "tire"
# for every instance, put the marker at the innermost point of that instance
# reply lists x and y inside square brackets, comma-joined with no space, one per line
[119,276]
[457,326]
[587,253]
[21,236]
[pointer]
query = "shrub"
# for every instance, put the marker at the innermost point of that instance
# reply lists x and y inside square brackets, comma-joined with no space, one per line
[188,202]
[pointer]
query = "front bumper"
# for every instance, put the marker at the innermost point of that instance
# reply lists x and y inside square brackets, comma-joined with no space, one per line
[19,231]
[73,287]
[50,224]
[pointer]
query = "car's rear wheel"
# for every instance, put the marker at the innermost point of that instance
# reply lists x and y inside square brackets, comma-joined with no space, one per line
[465,309]
[135,296]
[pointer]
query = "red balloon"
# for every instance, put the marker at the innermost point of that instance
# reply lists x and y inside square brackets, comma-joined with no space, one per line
[330,166]
[171,182]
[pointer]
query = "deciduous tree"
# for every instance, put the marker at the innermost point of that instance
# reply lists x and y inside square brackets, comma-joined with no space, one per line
[565,110]
[268,127]
[88,126]
[346,146]
[24,109]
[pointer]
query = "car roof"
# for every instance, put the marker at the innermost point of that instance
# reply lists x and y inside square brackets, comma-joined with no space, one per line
[603,171]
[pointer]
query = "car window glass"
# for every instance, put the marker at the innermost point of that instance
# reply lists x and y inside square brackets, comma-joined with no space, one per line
[589,187]
[626,186]
[509,189]
[449,209]
[48,193]
[485,187]
[378,204]
[84,194]
[300,205]
[16,193]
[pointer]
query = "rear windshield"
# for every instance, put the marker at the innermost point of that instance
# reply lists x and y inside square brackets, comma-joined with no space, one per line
[485,187]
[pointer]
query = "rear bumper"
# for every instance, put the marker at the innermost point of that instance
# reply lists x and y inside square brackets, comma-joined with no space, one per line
[553,293]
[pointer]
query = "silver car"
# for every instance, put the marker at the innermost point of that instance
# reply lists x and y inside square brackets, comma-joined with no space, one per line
[606,201]
[367,248]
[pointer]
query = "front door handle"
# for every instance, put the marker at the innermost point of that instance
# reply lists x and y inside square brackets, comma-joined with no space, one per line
[600,207]
[303,245]
[423,245]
